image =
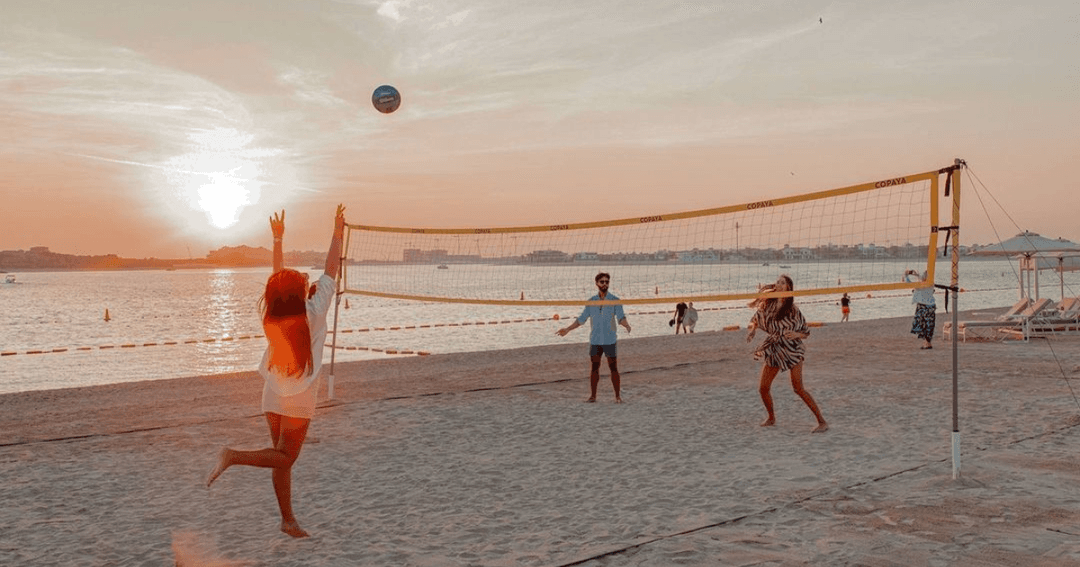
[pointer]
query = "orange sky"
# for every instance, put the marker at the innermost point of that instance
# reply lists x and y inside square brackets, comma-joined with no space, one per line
[148,128]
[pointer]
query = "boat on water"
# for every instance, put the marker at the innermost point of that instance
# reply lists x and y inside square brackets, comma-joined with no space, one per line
[10,278]
[443,267]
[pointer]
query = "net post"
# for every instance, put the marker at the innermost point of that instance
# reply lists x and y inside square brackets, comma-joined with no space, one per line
[958,165]
[333,341]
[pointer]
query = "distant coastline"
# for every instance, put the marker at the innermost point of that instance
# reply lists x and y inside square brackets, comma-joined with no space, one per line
[41,259]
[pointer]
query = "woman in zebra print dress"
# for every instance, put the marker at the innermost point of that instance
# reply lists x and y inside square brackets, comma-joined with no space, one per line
[783,348]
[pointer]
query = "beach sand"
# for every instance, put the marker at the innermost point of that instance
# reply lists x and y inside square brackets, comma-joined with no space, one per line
[492,459]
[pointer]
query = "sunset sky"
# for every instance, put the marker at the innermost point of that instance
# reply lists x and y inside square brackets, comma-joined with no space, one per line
[151,128]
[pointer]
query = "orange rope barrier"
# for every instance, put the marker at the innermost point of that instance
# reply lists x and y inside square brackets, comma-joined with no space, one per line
[555,317]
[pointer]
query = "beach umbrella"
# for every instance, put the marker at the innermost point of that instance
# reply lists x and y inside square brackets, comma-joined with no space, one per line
[1027,243]
[1029,247]
[1066,262]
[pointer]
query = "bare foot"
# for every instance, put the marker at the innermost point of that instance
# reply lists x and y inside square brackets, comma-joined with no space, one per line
[821,428]
[618,400]
[590,401]
[223,463]
[768,422]
[292,528]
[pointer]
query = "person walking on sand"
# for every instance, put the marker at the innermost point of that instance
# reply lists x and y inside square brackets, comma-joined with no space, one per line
[295,328]
[680,313]
[845,308]
[602,339]
[783,348]
[690,319]
[925,319]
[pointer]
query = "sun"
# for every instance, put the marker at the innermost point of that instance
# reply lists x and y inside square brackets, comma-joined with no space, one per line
[219,177]
[222,201]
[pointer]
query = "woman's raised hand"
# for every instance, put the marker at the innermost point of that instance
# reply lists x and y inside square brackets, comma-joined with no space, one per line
[339,219]
[277,224]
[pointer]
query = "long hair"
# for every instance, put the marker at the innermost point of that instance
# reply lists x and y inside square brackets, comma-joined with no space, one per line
[780,308]
[284,310]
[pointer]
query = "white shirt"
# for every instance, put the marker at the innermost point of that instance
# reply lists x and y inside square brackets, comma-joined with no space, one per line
[317,307]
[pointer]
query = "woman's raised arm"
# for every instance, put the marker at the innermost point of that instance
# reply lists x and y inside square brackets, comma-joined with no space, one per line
[333,256]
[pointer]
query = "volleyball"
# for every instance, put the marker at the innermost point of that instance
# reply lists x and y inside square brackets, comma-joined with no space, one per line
[386,99]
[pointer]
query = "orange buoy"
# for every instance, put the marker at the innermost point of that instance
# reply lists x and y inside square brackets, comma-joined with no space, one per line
[555,316]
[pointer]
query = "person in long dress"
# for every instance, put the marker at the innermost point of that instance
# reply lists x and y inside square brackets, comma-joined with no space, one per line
[922,325]
[783,348]
[295,328]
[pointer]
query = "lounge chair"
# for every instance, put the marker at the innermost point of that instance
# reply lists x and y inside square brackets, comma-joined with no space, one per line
[1064,317]
[1017,320]
[1015,310]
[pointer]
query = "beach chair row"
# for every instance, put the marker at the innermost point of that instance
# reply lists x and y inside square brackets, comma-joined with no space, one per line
[1024,319]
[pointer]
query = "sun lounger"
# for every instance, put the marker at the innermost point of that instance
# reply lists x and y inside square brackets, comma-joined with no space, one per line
[1015,310]
[1018,319]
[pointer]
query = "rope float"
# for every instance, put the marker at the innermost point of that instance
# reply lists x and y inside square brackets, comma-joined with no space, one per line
[554,317]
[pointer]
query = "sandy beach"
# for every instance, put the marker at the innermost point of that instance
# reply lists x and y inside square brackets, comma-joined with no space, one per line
[492,459]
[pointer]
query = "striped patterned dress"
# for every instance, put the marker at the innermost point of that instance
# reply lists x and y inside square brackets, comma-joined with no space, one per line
[777,351]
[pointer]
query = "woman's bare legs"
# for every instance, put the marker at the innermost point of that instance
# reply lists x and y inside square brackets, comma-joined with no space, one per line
[287,434]
[797,385]
[768,374]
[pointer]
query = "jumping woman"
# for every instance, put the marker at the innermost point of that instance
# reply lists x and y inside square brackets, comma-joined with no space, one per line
[295,328]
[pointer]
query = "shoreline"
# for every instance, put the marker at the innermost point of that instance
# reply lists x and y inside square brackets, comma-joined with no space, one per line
[105,409]
[491,458]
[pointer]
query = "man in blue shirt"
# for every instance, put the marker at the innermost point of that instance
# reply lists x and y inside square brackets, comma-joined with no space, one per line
[602,338]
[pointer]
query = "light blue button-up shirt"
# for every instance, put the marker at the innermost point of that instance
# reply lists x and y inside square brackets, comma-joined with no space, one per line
[605,318]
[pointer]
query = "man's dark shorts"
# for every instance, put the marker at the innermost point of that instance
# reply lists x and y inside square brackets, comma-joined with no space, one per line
[609,350]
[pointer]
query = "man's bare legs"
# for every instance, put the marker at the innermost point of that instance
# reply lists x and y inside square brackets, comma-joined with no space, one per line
[594,377]
[797,385]
[287,434]
[616,381]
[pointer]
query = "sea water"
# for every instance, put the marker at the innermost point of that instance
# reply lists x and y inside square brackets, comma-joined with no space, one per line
[55,323]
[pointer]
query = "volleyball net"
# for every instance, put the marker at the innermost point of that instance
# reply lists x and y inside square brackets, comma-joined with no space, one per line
[852,239]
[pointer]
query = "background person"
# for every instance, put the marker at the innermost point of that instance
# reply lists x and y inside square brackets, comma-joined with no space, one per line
[680,312]
[690,319]
[922,325]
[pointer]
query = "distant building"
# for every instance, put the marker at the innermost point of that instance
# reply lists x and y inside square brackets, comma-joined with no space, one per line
[586,257]
[547,257]
[418,256]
